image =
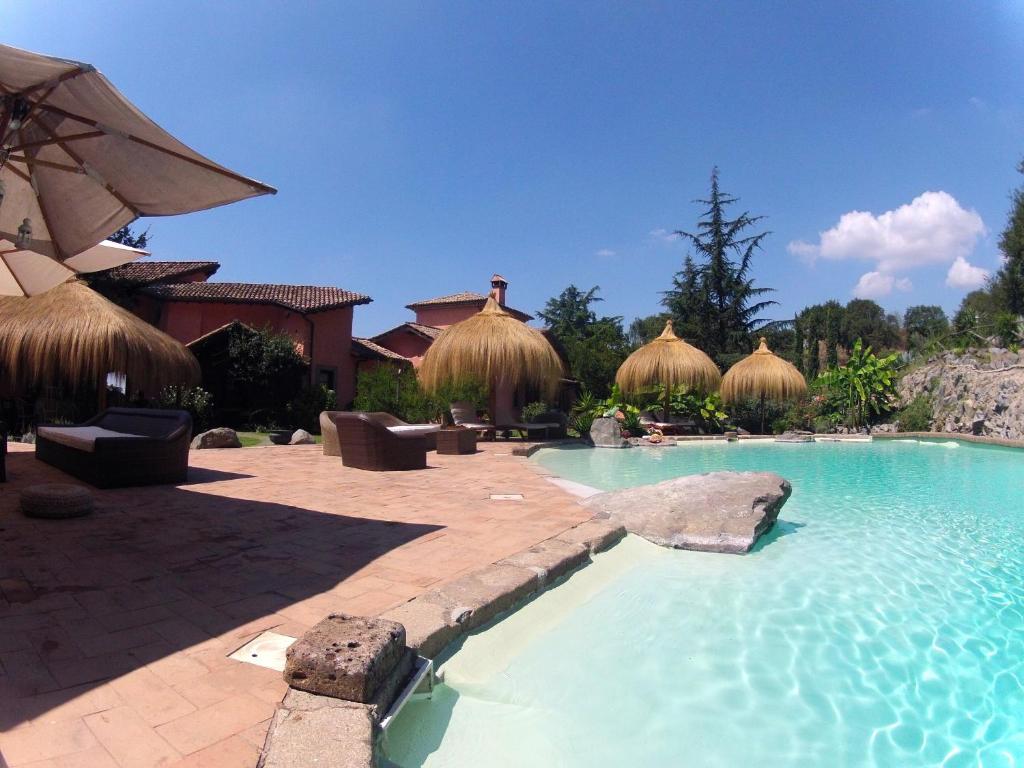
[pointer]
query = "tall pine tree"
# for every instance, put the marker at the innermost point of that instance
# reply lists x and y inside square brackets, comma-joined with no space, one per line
[714,301]
[1009,281]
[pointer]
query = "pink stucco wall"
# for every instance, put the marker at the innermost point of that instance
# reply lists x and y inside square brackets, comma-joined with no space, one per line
[406,343]
[444,315]
[331,335]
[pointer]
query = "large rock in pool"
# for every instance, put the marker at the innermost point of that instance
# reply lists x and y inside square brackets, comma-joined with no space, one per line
[714,512]
[221,437]
[605,432]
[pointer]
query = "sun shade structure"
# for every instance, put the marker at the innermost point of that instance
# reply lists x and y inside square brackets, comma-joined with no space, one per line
[78,160]
[27,273]
[671,362]
[491,346]
[763,376]
[71,335]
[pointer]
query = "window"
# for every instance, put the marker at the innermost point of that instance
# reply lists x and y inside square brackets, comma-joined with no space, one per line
[325,376]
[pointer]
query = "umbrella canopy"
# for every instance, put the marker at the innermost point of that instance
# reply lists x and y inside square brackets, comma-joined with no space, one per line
[72,335]
[494,347]
[670,361]
[78,160]
[27,273]
[763,375]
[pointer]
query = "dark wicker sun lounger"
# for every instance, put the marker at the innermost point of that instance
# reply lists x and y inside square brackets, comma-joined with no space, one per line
[329,429]
[121,447]
[367,443]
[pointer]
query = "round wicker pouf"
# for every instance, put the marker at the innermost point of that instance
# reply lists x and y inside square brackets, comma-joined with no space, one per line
[56,500]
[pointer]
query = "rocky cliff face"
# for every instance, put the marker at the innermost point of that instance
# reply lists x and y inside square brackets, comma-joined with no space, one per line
[980,392]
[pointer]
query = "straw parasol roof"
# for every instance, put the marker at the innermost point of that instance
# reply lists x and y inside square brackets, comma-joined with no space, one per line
[763,375]
[74,336]
[492,346]
[670,361]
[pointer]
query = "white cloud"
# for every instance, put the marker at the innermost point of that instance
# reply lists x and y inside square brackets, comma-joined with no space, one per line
[605,253]
[963,274]
[932,229]
[663,235]
[875,285]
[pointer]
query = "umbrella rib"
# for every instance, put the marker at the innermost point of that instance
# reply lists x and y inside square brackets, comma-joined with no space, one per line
[74,156]
[45,163]
[34,106]
[34,181]
[144,142]
[52,141]
[52,83]
[20,174]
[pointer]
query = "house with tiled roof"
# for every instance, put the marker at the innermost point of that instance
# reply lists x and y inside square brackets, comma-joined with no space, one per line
[178,299]
[412,339]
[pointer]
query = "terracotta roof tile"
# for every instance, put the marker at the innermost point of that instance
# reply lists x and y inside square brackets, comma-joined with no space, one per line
[371,349]
[466,297]
[146,272]
[424,330]
[300,298]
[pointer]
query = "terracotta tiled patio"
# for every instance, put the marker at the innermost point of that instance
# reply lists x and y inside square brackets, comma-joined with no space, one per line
[115,629]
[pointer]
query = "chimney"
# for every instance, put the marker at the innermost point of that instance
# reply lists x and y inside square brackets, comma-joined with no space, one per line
[498,287]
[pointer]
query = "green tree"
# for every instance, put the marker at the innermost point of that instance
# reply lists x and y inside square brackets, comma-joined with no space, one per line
[1009,281]
[714,300]
[820,323]
[645,329]
[594,346]
[977,313]
[265,372]
[125,236]
[924,322]
[866,320]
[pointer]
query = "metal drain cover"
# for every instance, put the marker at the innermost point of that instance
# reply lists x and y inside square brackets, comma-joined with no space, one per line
[265,650]
[506,497]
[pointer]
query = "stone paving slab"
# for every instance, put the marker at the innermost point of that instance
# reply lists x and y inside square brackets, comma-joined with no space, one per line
[115,628]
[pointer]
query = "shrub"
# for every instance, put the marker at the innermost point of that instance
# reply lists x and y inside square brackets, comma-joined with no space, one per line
[916,416]
[583,413]
[398,392]
[304,411]
[532,411]
[196,400]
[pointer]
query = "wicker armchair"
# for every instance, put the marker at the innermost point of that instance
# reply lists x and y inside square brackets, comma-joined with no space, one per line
[329,430]
[121,447]
[329,433]
[367,443]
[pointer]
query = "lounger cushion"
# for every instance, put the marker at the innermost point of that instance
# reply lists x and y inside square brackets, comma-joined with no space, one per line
[415,430]
[80,438]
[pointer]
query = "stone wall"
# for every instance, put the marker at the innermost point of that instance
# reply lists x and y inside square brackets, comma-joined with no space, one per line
[980,392]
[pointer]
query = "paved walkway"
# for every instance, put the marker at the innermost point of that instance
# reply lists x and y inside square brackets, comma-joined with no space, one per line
[115,628]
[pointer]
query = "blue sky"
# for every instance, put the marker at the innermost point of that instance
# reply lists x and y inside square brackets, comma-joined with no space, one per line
[419,147]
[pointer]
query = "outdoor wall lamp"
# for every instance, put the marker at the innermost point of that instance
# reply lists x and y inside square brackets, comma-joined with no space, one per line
[25,233]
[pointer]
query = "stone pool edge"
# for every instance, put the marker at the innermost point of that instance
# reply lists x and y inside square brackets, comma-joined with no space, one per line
[309,729]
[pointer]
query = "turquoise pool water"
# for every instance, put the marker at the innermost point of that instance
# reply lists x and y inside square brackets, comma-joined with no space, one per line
[881,623]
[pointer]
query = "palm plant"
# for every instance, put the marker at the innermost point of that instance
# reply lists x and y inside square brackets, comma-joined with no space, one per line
[865,386]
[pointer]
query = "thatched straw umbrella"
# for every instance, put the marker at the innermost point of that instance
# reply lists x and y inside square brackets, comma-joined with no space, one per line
[763,375]
[671,362]
[74,336]
[494,347]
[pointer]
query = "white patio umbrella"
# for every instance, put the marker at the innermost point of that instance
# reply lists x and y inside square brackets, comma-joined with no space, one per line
[27,273]
[78,160]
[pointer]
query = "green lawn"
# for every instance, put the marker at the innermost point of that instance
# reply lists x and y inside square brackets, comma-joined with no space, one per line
[250,439]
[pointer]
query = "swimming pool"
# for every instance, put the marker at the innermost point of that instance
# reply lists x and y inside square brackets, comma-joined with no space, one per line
[880,623]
